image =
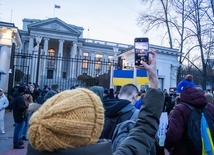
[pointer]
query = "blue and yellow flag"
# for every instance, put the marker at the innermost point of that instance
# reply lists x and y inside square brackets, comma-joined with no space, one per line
[141,77]
[122,77]
[206,137]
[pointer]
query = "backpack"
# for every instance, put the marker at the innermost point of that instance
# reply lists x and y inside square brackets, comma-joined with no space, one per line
[111,123]
[122,130]
[200,132]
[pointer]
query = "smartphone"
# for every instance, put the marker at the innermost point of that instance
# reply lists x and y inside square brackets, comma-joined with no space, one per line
[141,49]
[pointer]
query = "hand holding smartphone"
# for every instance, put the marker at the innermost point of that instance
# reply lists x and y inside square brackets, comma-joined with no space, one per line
[141,49]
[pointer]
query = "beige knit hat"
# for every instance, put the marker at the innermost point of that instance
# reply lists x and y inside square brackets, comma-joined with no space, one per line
[69,119]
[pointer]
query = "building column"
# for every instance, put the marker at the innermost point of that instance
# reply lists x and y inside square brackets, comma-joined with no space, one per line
[34,70]
[74,50]
[30,46]
[30,51]
[45,48]
[104,63]
[92,65]
[73,54]
[79,62]
[21,47]
[60,55]
[70,62]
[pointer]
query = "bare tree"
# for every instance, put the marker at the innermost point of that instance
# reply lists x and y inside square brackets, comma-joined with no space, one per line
[189,20]
[160,18]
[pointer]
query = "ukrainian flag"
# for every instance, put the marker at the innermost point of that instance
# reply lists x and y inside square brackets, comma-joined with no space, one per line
[206,137]
[122,77]
[141,77]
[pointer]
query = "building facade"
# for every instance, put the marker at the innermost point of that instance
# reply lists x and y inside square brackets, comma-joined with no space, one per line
[52,51]
[9,36]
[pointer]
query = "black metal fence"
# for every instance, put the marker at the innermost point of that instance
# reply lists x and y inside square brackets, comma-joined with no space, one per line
[65,71]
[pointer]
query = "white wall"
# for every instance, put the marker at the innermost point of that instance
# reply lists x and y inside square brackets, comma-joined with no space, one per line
[5,53]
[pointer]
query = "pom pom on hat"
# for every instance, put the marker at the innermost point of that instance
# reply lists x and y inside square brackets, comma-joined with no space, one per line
[185,83]
[69,119]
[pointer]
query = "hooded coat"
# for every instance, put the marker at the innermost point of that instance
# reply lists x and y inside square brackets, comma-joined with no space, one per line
[176,136]
[19,107]
[118,110]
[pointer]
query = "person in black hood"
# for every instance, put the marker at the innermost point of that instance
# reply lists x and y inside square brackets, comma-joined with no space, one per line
[119,110]
[19,109]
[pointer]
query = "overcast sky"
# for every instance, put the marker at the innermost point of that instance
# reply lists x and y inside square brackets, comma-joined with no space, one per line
[109,20]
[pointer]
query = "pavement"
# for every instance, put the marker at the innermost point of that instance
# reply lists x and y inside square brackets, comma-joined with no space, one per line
[6,140]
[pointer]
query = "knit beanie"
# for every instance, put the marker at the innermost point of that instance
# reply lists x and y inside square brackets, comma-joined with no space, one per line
[69,119]
[185,83]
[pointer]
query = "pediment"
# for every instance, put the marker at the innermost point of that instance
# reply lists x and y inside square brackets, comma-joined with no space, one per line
[56,25]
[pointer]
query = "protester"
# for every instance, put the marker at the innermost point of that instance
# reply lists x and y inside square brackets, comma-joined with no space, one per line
[139,102]
[54,90]
[71,123]
[28,99]
[106,94]
[3,104]
[186,82]
[98,90]
[177,141]
[119,110]
[177,100]
[34,92]
[19,110]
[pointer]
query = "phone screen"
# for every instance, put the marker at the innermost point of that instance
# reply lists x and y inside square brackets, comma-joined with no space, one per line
[141,50]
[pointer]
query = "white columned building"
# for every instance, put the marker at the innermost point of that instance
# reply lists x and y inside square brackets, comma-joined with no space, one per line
[66,55]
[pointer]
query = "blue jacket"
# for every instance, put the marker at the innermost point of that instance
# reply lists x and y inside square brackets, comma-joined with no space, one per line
[139,103]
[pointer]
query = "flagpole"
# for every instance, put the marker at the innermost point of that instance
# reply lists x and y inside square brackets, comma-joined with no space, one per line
[54,12]
[11,15]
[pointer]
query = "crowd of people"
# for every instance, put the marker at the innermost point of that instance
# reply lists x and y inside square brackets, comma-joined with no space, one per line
[85,121]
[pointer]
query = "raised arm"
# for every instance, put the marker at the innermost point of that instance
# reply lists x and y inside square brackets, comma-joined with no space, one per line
[141,138]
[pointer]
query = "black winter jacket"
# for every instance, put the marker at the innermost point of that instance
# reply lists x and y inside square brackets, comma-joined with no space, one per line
[19,107]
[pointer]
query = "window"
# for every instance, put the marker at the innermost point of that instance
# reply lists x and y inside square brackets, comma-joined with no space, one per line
[64,75]
[99,56]
[109,66]
[85,54]
[98,65]
[85,64]
[50,58]
[110,57]
[49,74]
